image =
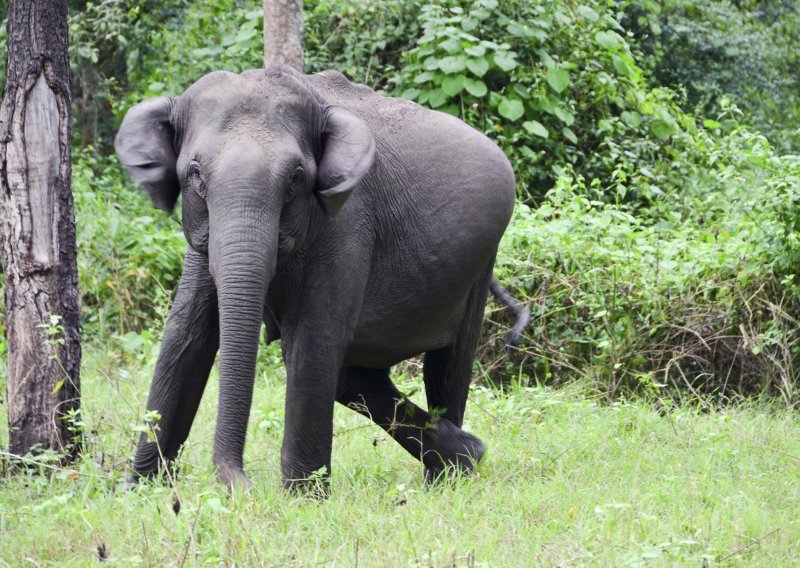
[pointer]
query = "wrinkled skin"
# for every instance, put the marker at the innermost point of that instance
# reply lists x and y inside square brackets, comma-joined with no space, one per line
[360,229]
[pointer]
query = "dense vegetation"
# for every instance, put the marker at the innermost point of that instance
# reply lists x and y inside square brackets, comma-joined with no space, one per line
[656,233]
[657,239]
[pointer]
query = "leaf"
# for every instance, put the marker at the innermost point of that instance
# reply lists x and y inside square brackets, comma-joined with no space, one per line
[621,66]
[479,66]
[632,119]
[424,77]
[437,98]
[520,30]
[451,45]
[558,79]
[564,115]
[451,109]
[480,15]
[536,128]
[505,61]
[569,135]
[588,13]
[58,387]
[469,24]
[475,51]
[711,124]
[452,64]
[662,129]
[410,94]
[453,84]
[475,87]
[522,91]
[431,63]
[608,40]
[511,109]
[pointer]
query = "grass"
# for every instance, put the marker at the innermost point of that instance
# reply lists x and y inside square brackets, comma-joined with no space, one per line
[568,481]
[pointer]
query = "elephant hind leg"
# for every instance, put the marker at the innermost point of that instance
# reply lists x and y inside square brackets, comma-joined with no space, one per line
[448,371]
[437,443]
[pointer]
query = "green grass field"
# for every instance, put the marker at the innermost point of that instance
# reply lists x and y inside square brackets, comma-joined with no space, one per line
[568,481]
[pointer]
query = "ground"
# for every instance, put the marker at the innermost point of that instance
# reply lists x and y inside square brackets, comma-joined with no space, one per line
[569,480]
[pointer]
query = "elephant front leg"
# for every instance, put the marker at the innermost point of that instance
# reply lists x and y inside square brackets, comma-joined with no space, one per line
[312,371]
[188,348]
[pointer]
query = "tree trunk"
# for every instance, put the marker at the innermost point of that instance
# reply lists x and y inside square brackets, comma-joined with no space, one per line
[37,232]
[283,33]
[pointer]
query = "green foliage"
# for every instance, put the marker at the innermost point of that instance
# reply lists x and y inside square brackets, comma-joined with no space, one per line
[554,84]
[109,43]
[129,254]
[745,50]
[364,39]
[698,294]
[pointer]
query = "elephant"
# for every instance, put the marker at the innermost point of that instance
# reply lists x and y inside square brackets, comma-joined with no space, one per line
[360,229]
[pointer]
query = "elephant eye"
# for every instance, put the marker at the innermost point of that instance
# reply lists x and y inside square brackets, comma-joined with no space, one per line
[296,183]
[196,179]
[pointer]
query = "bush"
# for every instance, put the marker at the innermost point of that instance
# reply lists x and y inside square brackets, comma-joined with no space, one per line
[742,50]
[129,254]
[555,84]
[704,298]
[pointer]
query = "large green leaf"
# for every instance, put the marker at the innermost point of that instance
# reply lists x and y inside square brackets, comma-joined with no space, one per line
[631,118]
[536,128]
[569,135]
[437,98]
[558,79]
[505,61]
[452,64]
[475,87]
[453,84]
[520,30]
[662,129]
[564,115]
[475,51]
[588,13]
[410,94]
[478,66]
[511,109]
[424,77]
[609,40]
[431,63]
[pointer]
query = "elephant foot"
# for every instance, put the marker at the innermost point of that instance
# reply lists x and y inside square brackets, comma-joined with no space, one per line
[315,489]
[315,486]
[450,451]
[154,471]
[232,476]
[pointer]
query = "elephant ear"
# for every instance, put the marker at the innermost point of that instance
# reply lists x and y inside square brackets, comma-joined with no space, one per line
[348,150]
[144,146]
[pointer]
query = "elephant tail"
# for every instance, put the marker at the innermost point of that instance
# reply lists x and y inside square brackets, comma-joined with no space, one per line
[521,312]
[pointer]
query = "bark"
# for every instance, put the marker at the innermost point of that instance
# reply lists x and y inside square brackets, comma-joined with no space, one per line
[37,232]
[283,33]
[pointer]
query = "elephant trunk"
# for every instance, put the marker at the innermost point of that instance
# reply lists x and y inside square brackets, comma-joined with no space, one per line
[243,247]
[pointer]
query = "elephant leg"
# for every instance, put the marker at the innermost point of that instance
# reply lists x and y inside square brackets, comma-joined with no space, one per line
[188,348]
[311,369]
[436,443]
[448,371]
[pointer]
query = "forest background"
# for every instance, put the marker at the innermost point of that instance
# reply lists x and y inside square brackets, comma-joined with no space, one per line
[656,238]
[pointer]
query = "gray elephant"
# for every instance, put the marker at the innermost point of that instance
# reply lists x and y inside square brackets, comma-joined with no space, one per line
[360,229]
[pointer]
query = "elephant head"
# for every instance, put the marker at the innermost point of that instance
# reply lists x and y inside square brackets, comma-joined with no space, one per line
[252,156]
